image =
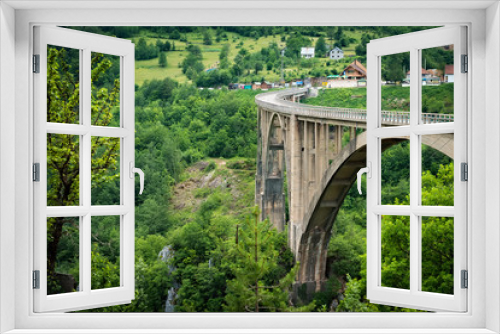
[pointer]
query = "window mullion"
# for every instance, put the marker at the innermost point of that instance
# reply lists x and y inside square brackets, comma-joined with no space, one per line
[414,173]
[85,170]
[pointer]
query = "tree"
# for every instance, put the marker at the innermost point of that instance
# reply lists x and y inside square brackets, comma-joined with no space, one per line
[360,50]
[393,70]
[320,48]
[207,37]
[63,179]
[192,65]
[159,44]
[144,51]
[339,33]
[294,44]
[223,57]
[331,33]
[162,61]
[258,67]
[256,257]
[175,34]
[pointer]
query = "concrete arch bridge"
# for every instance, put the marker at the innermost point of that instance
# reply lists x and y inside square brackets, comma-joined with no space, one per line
[306,142]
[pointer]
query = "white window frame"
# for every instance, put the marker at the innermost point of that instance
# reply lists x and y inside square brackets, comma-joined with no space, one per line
[86,44]
[483,19]
[414,297]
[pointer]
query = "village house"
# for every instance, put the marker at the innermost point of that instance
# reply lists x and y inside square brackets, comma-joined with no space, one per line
[335,53]
[436,73]
[425,74]
[449,73]
[355,70]
[255,85]
[307,52]
[266,85]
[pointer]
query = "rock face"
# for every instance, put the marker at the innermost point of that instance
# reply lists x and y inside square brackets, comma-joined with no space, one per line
[166,254]
[201,181]
[169,303]
[334,305]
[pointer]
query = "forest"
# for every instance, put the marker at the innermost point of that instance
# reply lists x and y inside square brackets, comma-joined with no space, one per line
[216,255]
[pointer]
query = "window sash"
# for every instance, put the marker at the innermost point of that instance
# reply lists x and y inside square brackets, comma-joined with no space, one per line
[414,298]
[87,43]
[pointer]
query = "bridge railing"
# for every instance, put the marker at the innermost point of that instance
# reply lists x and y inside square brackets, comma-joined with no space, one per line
[281,103]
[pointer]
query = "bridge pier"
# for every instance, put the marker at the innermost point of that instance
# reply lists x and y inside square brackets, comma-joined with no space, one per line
[295,180]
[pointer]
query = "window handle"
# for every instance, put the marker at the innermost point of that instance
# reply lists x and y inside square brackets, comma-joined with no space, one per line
[134,170]
[368,172]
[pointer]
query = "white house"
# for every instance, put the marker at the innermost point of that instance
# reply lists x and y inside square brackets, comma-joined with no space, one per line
[336,53]
[307,52]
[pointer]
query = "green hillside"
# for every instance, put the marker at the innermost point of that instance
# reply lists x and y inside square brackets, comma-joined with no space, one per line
[253,43]
[435,99]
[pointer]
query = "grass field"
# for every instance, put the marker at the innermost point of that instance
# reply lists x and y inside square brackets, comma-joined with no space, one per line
[149,69]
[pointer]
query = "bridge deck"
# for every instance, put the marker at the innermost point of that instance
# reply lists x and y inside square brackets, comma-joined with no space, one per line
[277,101]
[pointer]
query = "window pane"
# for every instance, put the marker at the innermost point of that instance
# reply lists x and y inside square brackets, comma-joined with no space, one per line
[63,85]
[105,171]
[437,84]
[63,249]
[63,170]
[105,252]
[395,171]
[437,170]
[395,259]
[437,254]
[105,90]
[395,90]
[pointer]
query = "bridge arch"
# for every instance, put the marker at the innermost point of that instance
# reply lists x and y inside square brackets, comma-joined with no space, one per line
[273,199]
[320,171]
[326,202]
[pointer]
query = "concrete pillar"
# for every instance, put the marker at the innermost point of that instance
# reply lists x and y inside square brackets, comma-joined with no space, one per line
[339,131]
[295,177]
[352,133]
[288,160]
[311,177]
[321,152]
[320,264]
[327,145]
[319,142]
[305,160]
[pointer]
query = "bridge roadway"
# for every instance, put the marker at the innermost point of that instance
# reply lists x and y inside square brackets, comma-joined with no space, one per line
[306,141]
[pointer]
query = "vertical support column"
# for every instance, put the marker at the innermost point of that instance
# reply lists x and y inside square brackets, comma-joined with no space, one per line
[327,145]
[311,176]
[321,160]
[295,179]
[352,133]
[338,138]
[320,265]
[318,151]
[305,161]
